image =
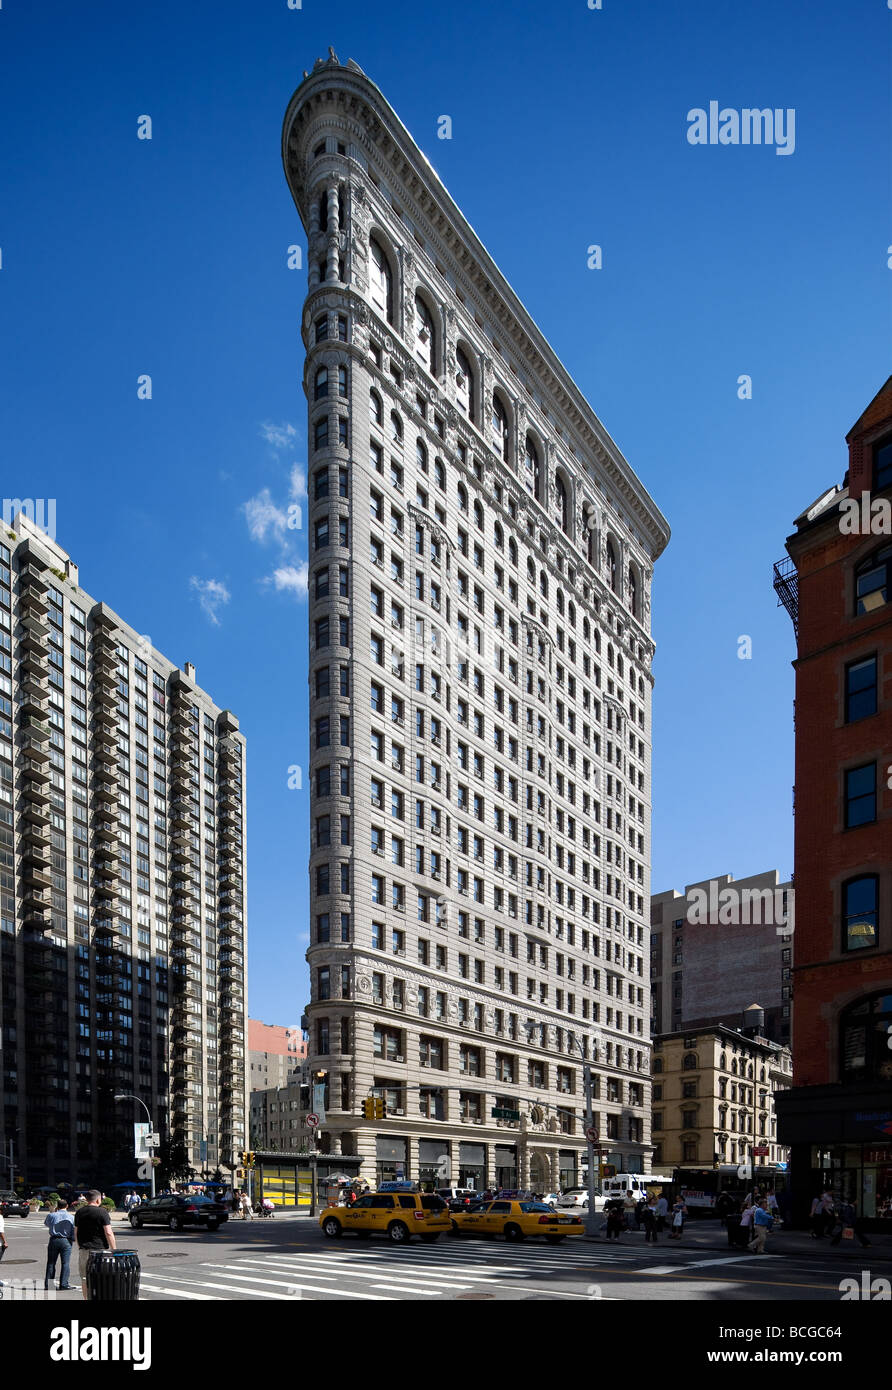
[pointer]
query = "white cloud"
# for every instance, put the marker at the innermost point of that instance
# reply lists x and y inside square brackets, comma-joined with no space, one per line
[211,595]
[278,436]
[264,517]
[298,484]
[291,579]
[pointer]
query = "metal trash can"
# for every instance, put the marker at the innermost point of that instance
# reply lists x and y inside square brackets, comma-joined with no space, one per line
[113,1276]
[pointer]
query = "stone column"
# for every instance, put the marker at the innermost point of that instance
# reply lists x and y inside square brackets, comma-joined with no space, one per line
[333,239]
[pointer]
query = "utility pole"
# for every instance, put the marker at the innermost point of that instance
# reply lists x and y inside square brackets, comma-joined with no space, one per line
[591,1135]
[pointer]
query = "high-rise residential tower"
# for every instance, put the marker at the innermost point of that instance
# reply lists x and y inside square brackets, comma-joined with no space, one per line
[123,916]
[480,690]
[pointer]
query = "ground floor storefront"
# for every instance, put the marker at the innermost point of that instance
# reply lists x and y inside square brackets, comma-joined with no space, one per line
[840,1141]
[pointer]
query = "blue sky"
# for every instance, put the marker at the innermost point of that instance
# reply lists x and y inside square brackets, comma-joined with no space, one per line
[168,257]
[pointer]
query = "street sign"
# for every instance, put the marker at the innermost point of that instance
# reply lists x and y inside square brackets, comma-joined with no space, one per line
[591,1134]
[312,1121]
[761,1151]
[500,1114]
[141,1133]
[153,1141]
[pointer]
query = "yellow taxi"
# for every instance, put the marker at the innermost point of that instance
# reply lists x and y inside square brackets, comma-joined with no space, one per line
[515,1220]
[395,1210]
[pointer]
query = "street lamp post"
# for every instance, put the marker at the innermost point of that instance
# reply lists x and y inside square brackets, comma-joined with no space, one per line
[151,1131]
[591,1135]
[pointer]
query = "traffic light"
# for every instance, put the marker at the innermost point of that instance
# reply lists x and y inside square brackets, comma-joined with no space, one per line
[368,1109]
[379,1108]
[250,1157]
[243,1158]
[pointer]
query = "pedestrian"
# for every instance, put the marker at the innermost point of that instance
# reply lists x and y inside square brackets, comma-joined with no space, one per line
[848,1224]
[61,1228]
[640,1208]
[762,1224]
[93,1228]
[679,1212]
[3,1241]
[629,1211]
[615,1218]
[247,1212]
[773,1207]
[650,1221]
[662,1212]
[746,1223]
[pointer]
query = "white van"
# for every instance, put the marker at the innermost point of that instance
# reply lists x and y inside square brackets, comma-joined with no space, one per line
[635,1185]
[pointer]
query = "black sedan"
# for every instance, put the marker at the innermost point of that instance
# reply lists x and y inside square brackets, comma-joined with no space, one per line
[177,1211]
[11,1204]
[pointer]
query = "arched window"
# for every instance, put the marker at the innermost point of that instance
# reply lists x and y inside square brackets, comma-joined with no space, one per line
[690,1062]
[633,592]
[658,1064]
[425,335]
[440,474]
[612,576]
[376,407]
[531,571]
[512,551]
[571,613]
[543,583]
[342,381]
[380,279]
[860,912]
[421,456]
[532,470]
[478,516]
[396,427]
[872,581]
[500,427]
[586,631]
[499,536]
[560,602]
[320,384]
[563,503]
[462,498]
[465,382]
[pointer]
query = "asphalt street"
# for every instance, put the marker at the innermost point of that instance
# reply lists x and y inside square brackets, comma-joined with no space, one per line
[288,1257]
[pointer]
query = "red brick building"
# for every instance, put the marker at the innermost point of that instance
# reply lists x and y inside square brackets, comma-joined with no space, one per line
[837,587]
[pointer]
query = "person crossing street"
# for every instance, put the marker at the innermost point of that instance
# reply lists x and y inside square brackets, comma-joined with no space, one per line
[61,1229]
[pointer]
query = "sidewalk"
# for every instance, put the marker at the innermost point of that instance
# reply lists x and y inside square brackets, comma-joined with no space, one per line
[709,1235]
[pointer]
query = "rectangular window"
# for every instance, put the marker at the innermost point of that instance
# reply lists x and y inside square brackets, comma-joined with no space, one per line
[860,908]
[861,689]
[861,795]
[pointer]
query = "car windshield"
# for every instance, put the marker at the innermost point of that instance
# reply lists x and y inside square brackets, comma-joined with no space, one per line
[198,1201]
[536,1206]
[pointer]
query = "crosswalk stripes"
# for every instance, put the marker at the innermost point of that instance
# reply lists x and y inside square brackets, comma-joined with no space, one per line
[372,1274]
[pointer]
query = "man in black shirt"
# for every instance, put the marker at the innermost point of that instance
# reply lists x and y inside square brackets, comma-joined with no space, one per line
[92,1224]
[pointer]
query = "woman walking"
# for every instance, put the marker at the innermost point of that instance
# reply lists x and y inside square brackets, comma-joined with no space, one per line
[649,1217]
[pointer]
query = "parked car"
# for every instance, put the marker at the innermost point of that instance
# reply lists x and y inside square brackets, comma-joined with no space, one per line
[578,1197]
[458,1198]
[551,1199]
[177,1211]
[11,1204]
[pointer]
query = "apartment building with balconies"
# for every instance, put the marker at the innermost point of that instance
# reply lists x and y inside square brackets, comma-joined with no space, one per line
[122,920]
